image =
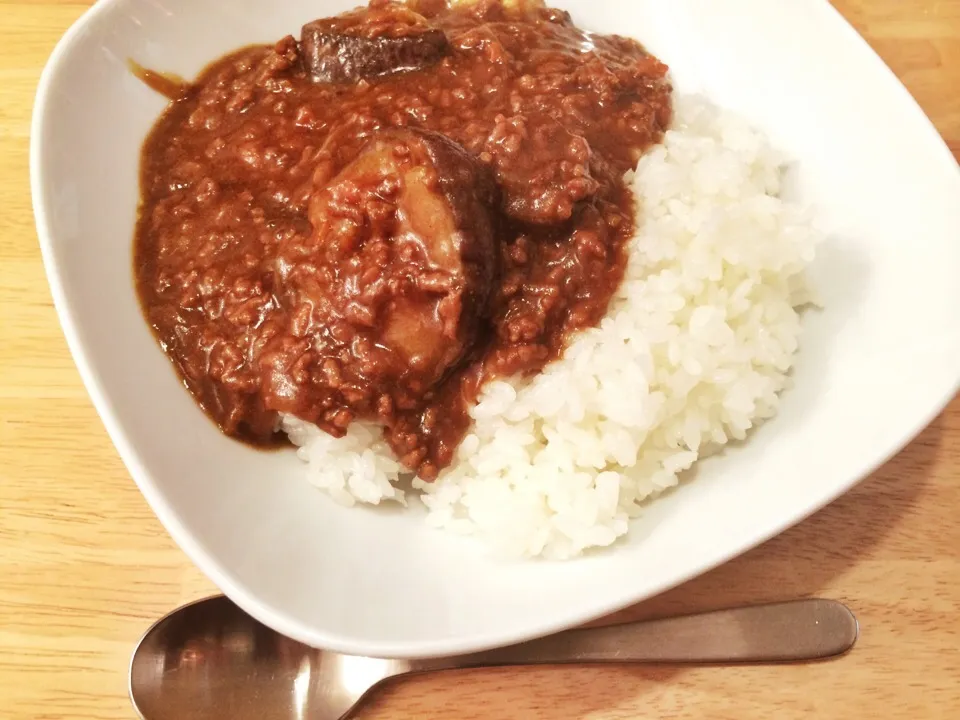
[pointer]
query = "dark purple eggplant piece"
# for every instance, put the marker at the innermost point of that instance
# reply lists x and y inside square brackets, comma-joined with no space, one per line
[369,43]
[432,202]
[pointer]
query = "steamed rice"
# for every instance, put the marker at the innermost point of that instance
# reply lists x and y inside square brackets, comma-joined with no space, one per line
[697,344]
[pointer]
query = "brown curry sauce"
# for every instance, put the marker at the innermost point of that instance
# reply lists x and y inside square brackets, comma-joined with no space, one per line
[378,246]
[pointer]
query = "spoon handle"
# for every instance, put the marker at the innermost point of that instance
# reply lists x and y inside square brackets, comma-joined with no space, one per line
[782,632]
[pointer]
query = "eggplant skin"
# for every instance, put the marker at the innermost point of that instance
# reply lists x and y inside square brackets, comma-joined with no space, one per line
[332,57]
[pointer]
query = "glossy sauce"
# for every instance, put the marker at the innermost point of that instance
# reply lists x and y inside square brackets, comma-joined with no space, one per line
[251,181]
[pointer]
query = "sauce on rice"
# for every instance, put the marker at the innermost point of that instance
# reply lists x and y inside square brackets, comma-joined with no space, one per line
[372,222]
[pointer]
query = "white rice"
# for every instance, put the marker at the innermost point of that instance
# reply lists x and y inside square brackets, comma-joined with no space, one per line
[697,345]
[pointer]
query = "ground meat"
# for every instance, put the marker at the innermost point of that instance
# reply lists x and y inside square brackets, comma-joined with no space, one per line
[378,244]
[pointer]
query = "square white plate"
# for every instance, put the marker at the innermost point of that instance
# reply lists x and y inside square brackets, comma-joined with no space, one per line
[877,364]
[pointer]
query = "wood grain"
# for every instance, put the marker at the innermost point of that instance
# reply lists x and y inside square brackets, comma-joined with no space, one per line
[85,567]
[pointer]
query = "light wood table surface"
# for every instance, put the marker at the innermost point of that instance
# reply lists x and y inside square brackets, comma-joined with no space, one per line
[85,567]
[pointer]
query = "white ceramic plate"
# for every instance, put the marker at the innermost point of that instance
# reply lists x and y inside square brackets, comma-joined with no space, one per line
[877,365]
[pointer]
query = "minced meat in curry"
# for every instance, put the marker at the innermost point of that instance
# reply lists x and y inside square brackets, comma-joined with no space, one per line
[372,221]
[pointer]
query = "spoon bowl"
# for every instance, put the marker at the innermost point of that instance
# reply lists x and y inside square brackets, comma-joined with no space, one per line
[211,660]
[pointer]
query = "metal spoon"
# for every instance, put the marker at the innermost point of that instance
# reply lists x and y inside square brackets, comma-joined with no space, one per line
[211,660]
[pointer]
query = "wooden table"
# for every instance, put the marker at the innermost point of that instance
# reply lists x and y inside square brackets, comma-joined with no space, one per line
[85,567]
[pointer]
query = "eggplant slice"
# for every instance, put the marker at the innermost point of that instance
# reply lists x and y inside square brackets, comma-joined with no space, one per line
[368,43]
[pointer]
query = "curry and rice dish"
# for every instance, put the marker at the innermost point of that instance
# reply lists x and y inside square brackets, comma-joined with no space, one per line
[475,244]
